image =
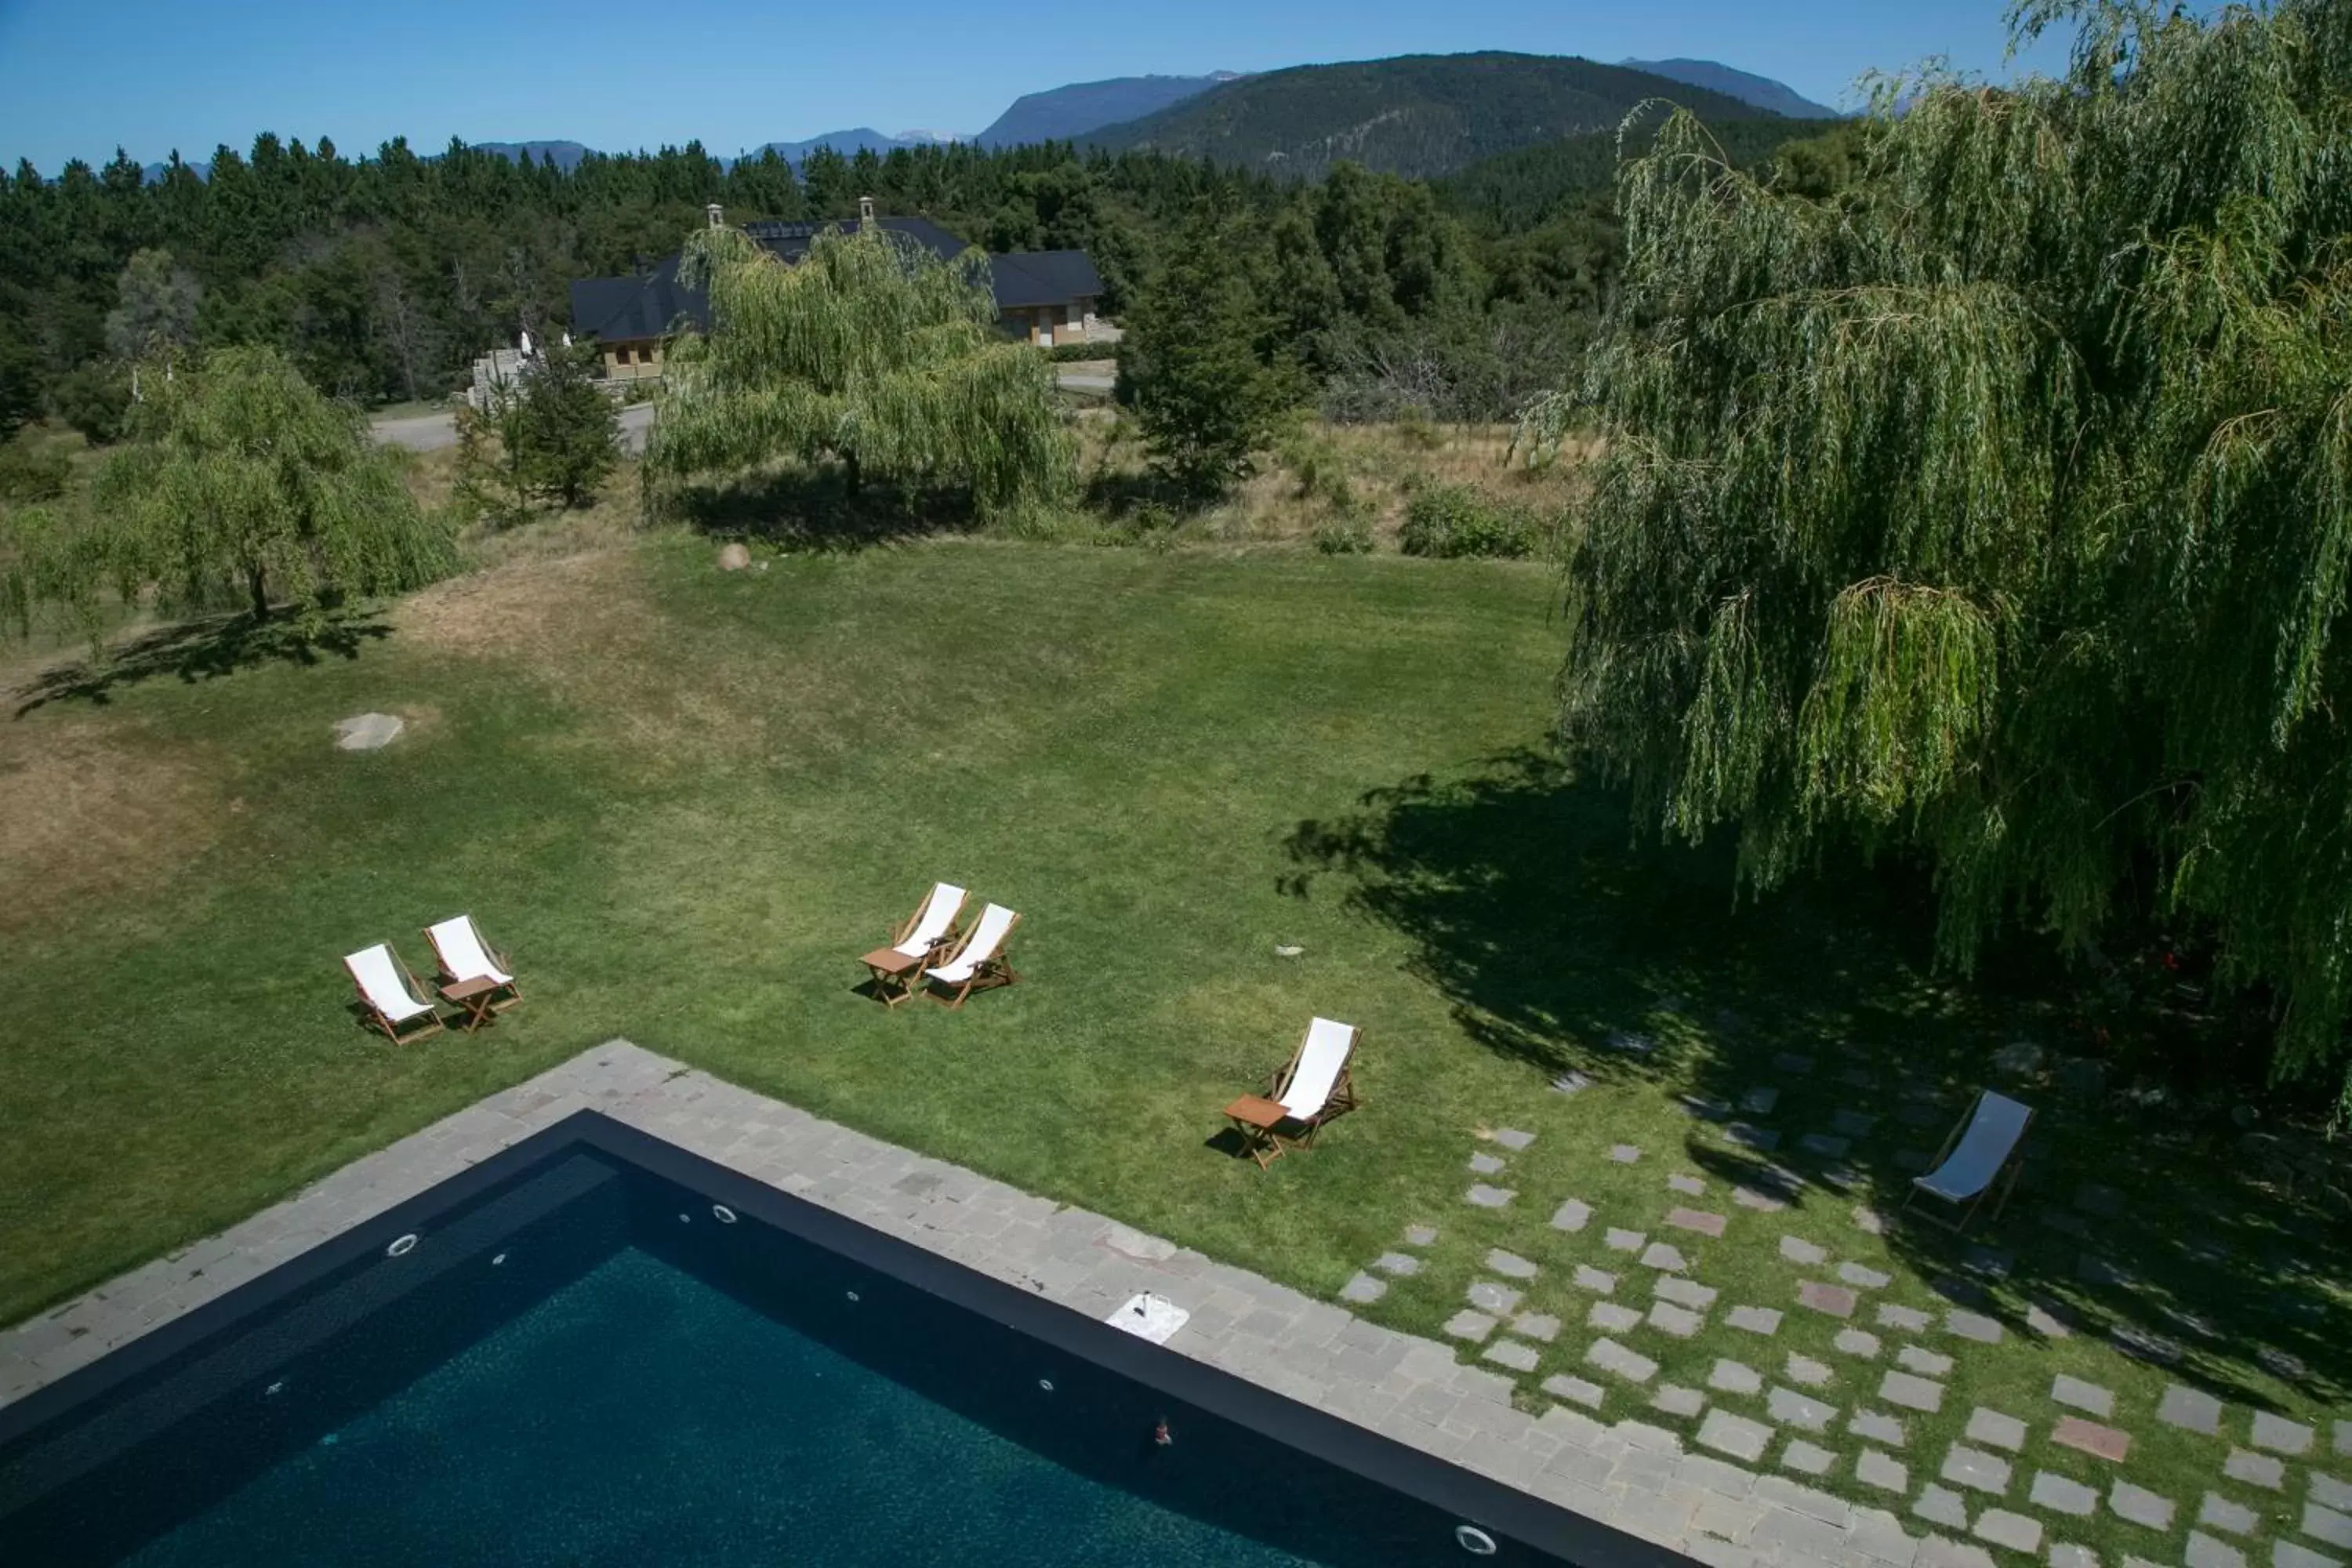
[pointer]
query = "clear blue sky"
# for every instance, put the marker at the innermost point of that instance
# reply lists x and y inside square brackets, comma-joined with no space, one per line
[84,75]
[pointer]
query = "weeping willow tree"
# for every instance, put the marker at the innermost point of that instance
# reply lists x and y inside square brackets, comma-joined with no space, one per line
[871,352]
[1999,508]
[245,485]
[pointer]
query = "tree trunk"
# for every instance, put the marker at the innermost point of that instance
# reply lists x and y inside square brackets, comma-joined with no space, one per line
[257,582]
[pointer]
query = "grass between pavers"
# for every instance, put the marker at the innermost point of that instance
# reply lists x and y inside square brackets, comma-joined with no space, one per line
[686,801]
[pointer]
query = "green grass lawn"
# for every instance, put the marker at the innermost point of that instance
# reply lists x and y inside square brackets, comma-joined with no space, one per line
[684,802]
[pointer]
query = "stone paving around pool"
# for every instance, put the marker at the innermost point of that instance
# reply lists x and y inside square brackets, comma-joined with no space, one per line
[1737,1494]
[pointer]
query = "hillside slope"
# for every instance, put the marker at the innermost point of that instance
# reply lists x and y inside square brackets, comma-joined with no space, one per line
[1528,186]
[1415,114]
[1761,91]
[1063,114]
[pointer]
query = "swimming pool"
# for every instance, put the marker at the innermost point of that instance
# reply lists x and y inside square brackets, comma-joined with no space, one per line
[597,1348]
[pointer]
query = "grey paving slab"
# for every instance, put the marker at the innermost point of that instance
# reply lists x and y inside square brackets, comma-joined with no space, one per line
[1973,1467]
[1912,1393]
[2217,1512]
[2327,1489]
[1734,1435]
[1878,1428]
[1483,1196]
[2279,1435]
[1807,1373]
[2083,1395]
[2255,1469]
[2014,1531]
[1675,1400]
[1996,1430]
[1513,1139]
[1540,1326]
[1761,1101]
[1688,1185]
[1834,1299]
[1925,1362]
[1516,1354]
[1790,1408]
[1510,1264]
[1755,1319]
[1397,1263]
[1492,1296]
[2344,1439]
[1575,1390]
[1796,1249]
[1597,1280]
[1658,1255]
[1825,1145]
[1857,1342]
[1973,1326]
[1755,1198]
[2289,1555]
[1615,1359]
[1466,1324]
[1873,1469]
[1733,1377]
[2140,1505]
[1697,1221]
[1942,1505]
[1572,1216]
[1807,1458]
[2204,1551]
[2065,1554]
[1485,1165]
[2324,1524]
[1611,1316]
[1624,1240]
[1419,1235]
[1863,1278]
[1364,1288]
[1624,1154]
[1684,1291]
[1909,1320]
[1679,1322]
[2060,1494]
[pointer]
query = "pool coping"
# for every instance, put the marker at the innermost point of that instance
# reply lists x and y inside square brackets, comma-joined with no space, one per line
[1630,1477]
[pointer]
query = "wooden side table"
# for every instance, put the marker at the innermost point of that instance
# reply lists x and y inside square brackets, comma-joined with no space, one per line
[895,973]
[478,996]
[1255,1118]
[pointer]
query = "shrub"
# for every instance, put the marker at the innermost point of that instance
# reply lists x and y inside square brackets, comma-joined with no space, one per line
[1456,521]
[1072,354]
[1343,536]
[94,400]
[32,474]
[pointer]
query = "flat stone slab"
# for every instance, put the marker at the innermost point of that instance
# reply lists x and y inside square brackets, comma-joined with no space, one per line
[2090,1438]
[2204,1551]
[1572,1216]
[1574,1390]
[1597,1280]
[1995,1430]
[1674,1400]
[1753,1320]
[1862,1278]
[1857,1342]
[1790,1408]
[1624,1154]
[1492,1296]
[1514,1355]
[1658,1255]
[1689,1186]
[1912,1393]
[1835,1299]
[2288,1555]
[1468,1325]
[1616,1360]
[2140,1506]
[2281,1435]
[1624,1240]
[1793,1062]
[1806,1458]
[1878,1428]
[1485,1165]
[1763,1139]
[2082,1396]
[1873,1469]
[1541,1326]
[1698,1220]
[1485,1197]
[2328,1490]
[1364,1288]
[1976,1470]
[368,731]
[1612,1317]
[1804,1370]
[2219,1512]
[1759,1102]
[1511,1264]
[1796,1249]
[1942,1505]
[1679,1322]
[1734,1435]
[1397,1263]
[1683,1292]
[1909,1320]
[2255,1469]
[1973,1326]
[1419,1235]
[2322,1524]
[1733,1377]
[2013,1531]
[1925,1362]
[2191,1408]
[1511,1138]
[2060,1494]
[1851,1124]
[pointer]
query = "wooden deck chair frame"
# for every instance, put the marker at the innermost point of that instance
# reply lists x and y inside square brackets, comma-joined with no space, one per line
[954,933]
[993,971]
[423,1026]
[1341,1101]
[2005,1179]
[447,976]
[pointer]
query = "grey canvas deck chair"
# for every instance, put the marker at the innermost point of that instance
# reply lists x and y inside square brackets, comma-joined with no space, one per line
[1979,1157]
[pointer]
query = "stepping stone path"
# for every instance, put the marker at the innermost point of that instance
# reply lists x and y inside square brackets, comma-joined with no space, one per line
[2045,1320]
[1487,1197]
[1626,1240]
[368,731]
[1973,1326]
[1762,1201]
[1835,1299]
[2281,1435]
[1485,1165]
[1912,1393]
[1572,1216]
[1511,1353]
[1575,1390]
[1796,1249]
[1536,1326]
[1697,1221]
[1658,1255]
[1689,1186]
[1940,1505]
[1755,1319]
[2082,1396]
[1995,1430]
[1510,1263]
[1594,1279]
[1488,1296]
[1571,1083]
[1611,1317]
[2255,1469]
[1760,1101]
[2322,1524]
[1853,1124]
[1731,1377]
[1678,1401]
[1793,1409]
[1469,1325]
[2140,1506]
[1805,1370]
[1857,1342]
[1870,1222]
[2139,1344]
[1925,1362]
[1824,1145]
[1878,1427]
[1624,1154]
[1734,1435]
[1863,1278]
[1909,1319]
[2191,1408]
[1975,1469]
[1684,1292]
[2204,1551]
[2061,1495]
[1363,1289]
[2013,1531]
[1419,1235]
[1763,1139]
[2090,1438]
[1398,1263]
[1806,1458]
[1613,1358]
[2221,1513]
[1679,1322]
[1514,1139]
[1873,1469]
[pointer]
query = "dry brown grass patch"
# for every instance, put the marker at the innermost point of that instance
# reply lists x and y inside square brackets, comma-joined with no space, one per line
[87,809]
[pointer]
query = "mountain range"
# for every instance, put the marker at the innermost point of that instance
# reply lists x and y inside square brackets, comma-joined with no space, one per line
[1415,114]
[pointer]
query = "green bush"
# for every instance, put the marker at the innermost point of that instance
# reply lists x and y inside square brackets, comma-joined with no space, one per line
[1070,354]
[1343,536]
[1451,520]
[94,400]
[29,474]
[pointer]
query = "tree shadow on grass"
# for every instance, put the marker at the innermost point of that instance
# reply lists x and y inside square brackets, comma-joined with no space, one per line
[1824,1062]
[813,510]
[205,649]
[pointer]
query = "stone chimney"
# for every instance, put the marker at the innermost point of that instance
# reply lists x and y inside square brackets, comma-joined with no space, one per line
[865,211]
[717,214]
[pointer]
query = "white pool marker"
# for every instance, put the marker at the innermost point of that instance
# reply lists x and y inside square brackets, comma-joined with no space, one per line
[1473,1541]
[1046,1384]
[1150,1318]
[851,1294]
[403,1247]
[686,1219]
[501,1258]
[722,1214]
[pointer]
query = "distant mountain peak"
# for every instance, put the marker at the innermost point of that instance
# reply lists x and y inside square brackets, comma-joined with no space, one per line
[1082,108]
[1760,91]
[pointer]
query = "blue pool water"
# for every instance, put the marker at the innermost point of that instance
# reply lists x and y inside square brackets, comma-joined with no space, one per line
[581,1362]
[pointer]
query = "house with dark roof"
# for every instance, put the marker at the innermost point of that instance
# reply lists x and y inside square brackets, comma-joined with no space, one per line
[1046,297]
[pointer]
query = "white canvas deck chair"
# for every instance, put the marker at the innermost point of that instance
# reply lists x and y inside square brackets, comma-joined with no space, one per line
[913,943]
[1314,1089]
[1979,1156]
[465,957]
[388,993]
[977,964]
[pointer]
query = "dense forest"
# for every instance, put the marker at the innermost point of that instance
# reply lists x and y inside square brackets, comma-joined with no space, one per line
[382,277]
